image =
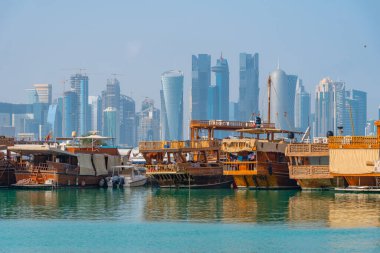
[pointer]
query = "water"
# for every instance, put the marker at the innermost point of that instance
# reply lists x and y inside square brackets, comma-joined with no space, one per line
[157,220]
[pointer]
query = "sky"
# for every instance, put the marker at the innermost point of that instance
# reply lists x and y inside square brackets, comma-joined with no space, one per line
[45,41]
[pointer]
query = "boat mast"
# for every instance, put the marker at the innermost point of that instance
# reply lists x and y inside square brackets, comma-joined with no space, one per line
[269,86]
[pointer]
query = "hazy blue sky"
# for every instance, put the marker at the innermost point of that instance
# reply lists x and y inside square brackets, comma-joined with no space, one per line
[46,41]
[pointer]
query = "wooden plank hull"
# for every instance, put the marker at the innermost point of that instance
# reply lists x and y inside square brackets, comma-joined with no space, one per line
[59,179]
[275,176]
[7,176]
[192,181]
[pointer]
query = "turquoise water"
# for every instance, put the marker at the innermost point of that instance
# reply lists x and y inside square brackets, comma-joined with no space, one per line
[157,220]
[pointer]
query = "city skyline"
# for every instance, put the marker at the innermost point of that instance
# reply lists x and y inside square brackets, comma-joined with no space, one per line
[337,47]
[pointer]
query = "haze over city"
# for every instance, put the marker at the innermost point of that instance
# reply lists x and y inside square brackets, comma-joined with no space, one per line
[47,41]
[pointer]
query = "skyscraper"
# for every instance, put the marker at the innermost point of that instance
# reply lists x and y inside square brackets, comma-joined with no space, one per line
[112,94]
[200,81]
[248,86]
[172,105]
[44,93]
[222,76]
[283,89]
[111,127]
[96,113]
[70,112]
[148,122]
[128,121]
[355,116]
[329,107]
[301,107]
[79,83]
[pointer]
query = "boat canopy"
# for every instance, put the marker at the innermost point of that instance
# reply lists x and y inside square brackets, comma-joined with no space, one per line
[353,161]
[100,164]
[31,149]
[85,165]
[94,137]
[249,145]
[266,131]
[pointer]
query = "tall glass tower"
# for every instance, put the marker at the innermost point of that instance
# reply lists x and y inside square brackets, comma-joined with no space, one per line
[329,107]
[79,83]
[111,127]
[70,113]
[283,89]
[301,107]
[200,81]
[248,86]
[172,105]
[222,76]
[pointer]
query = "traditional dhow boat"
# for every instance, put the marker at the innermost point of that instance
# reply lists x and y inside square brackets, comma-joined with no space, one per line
[7,175]
[185,164]
[309,164]
[258,163]
[357,159]
[52,164]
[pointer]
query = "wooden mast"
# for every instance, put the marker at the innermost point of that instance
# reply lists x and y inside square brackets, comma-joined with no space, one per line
[269,86]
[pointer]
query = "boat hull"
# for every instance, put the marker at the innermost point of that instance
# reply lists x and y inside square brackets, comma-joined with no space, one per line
[57,179]
[7,176]
[193,182]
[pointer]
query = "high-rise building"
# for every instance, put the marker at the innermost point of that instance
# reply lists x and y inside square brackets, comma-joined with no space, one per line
[70,113]
[54,119]
[44,93]
[330,106]
[213,102]
[355,114]
[248,104]
[111,127]
[200,81]
[148,122]
[172,105]
[96,113]
[79,83]
[302,105]
[283,89]
[128,121]
[222,76]
[112,94]
[32,96]
[234,113]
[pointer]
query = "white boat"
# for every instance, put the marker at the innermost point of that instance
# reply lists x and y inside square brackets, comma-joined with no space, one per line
[129,176]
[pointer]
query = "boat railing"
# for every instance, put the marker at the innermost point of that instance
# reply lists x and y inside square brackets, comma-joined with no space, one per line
[161,168]
[307,148]
[7,141]
[309,171]
[240,166]
[162,145]
[178,167]
[354,142]
[232,124]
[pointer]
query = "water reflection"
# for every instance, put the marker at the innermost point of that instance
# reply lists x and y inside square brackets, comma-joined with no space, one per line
[293,208]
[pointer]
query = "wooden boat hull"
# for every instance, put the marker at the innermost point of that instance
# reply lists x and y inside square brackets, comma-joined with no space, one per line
[196,182]
[277,177]
[58,179]
[7,176]
[317,184]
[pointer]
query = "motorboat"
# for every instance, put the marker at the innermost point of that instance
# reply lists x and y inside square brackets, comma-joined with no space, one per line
[126,176]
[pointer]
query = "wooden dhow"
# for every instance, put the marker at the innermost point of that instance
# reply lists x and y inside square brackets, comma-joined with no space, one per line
[185,164]
[309,164]
[57,165]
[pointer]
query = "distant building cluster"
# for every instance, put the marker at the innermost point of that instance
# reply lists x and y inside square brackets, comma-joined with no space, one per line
[337,108]
[76,113]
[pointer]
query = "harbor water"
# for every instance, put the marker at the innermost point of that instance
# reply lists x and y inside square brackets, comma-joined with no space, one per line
[169,220]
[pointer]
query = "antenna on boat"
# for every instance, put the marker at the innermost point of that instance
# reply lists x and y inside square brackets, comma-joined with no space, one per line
[269,87]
